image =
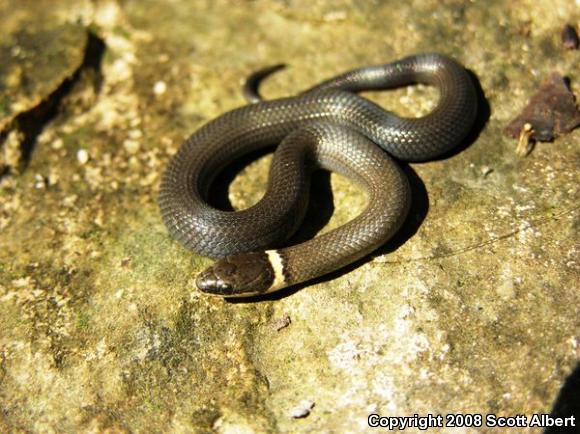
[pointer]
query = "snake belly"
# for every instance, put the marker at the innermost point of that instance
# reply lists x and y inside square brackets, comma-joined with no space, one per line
[329,127]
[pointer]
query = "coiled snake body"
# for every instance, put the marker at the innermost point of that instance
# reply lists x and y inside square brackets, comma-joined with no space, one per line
[329,127]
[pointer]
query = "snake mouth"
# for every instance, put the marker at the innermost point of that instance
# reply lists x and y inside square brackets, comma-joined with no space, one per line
[240,275]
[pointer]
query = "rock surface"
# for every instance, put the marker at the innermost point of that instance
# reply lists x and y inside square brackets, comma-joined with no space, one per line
[474,308]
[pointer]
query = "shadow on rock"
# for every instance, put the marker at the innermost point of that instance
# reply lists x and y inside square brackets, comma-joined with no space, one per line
[567,403]
[483,114]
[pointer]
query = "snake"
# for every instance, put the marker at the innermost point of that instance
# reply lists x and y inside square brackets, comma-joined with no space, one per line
[329,127]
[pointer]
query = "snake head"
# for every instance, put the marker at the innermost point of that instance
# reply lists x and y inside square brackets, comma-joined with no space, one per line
[239,275]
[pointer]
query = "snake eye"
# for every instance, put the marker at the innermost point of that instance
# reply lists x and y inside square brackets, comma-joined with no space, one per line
[237,276]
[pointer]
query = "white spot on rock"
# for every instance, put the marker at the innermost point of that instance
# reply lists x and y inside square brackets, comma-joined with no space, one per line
[159,88]
[82,156]
[302,409]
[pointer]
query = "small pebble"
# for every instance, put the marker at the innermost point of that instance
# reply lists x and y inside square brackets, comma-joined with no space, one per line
[486,170]
[69,201]
[281,323]
[99,219]
[95,254]
[57,144]
[131,146]
[53,178]
[302,409]
[82,156]
[159,88]
[40,181]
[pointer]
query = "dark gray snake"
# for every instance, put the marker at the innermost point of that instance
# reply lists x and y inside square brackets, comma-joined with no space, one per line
[330,127]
